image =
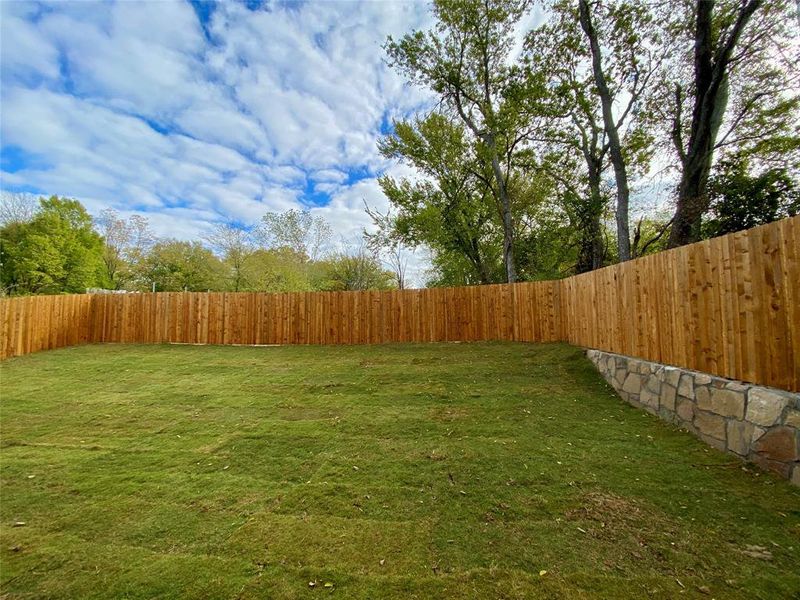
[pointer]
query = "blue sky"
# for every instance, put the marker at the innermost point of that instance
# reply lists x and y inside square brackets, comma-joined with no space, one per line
[194,113]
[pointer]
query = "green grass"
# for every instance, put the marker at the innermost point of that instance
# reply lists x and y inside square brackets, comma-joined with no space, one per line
[405,471]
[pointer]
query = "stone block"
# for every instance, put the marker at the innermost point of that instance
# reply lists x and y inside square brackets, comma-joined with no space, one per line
[710,424]
[685,410]
[633,383]
[735,386]
[672,376]
[653,410]
[796,475]
[702,379]
[739,435]
[757,433]
[653,384]
[792,418]
[667,415]
[610,366]
[620,375]
[779,444]
[722,402]
[686,386]
[781,468]
[703,396]
[764,407]
[649,398]
[667,396]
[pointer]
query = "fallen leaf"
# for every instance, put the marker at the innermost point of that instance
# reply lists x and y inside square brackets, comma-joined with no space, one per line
[542,573]
[757,552]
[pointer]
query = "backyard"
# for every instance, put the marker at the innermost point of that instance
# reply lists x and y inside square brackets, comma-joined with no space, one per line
[481,470]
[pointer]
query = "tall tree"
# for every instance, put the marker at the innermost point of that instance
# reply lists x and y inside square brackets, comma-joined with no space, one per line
[125,244]
[281,270]
[116,238]
[57,251]
[451,210]
[741,94]
[176,266]
[300,231]
[141,239]
[625,51]
[386,243]
[575,83]
[358,269]
[236,246]
[465,60]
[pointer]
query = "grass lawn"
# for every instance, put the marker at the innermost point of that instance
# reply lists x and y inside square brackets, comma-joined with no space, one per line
[494,470]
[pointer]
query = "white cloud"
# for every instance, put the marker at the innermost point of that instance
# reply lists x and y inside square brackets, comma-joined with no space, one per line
[132,105]
[24,53]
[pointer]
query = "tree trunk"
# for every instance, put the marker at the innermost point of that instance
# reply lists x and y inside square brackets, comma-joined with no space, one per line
[711,63]
[505,206]
[692,198]
[592,250]
[610,126]
[488,138]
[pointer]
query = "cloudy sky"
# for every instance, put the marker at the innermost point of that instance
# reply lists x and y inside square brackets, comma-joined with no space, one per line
[194,113]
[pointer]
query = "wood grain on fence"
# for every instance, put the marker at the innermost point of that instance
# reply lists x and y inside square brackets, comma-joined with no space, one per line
[493,312]
[729,306]
[32,323]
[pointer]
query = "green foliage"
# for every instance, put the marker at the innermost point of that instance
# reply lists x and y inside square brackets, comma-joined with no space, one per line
[740,200]
[513,163]
[466,60]
[281,270]
[452,212]
[235,247]
[57,251]
[220,472]
[358,270]
[176,266]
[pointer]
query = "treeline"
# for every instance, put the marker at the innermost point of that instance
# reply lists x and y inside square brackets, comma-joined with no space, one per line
[533,163]
[53,246]
[543,143]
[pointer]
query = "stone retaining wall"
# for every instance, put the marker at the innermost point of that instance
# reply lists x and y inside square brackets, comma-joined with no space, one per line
[755,423]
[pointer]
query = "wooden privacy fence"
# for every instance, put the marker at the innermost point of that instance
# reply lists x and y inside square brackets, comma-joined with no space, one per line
[373,317]
[728,306]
